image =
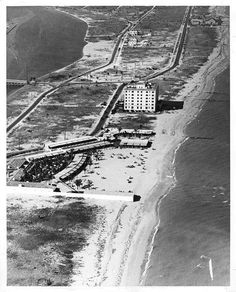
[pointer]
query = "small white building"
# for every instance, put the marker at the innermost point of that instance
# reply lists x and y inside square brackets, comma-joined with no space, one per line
[132,42]
[196,21]
[141,96]
[134,143]
[133,32]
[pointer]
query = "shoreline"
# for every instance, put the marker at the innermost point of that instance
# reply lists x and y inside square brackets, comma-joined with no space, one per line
[54,9]
[154,241]
[217,62]
[160,178]
[178,147]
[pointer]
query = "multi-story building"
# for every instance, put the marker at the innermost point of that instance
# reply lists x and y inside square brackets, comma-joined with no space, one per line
[141,96]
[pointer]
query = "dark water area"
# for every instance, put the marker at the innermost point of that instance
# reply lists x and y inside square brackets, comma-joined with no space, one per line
[16,11]
[47,41]
[195,216]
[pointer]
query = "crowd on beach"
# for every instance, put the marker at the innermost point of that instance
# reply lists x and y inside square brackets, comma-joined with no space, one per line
[45,168]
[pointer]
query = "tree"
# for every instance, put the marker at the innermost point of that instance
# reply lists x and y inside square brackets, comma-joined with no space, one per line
[78,182]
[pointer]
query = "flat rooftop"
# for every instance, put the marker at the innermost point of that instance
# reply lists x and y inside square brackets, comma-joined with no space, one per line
[142,86]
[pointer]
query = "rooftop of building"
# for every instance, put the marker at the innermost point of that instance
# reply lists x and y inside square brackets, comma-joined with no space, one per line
[142,86]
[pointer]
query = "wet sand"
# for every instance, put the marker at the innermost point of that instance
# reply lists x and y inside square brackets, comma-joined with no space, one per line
[202,83]
[138,223]
[195,216]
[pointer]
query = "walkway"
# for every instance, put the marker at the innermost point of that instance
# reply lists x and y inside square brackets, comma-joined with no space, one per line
[73,168]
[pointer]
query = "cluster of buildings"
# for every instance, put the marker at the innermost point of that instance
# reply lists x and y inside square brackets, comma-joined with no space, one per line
[137,38]
[205,20]
[62,161]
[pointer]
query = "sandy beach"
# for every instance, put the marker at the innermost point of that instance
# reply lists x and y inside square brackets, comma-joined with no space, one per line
[204,83]
[127,229]
[135,235]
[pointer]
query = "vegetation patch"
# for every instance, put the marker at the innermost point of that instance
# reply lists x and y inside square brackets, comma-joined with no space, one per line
[73,108]
[164,17]
[41,241]
[132,121]
[200,43]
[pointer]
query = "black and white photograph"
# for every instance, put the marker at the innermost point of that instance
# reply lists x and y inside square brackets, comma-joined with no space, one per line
[117,144]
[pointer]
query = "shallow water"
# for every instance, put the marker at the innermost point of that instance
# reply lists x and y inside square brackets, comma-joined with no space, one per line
[195,216]
[46,42]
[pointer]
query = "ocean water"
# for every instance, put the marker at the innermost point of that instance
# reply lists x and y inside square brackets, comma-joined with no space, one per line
[46,42]
[194,234]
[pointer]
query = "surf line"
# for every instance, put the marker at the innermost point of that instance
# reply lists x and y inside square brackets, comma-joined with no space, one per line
[156,229]
[147,265]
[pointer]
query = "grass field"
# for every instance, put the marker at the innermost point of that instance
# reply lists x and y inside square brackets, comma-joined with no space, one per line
[41,240]
[102,21]
[68,113]
[164,17]
[199,45]
[22,98]
[163,24]
[132,121]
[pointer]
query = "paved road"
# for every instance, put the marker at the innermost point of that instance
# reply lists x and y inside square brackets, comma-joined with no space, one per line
[29,109]
[105,114]
[178,49]
[102,120]
[52,90]
[100,123]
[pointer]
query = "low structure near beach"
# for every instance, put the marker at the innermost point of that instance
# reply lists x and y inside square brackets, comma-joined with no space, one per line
[84,140]
[135,143]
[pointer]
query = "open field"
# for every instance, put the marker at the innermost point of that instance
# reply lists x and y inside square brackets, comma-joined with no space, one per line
[160,39]
[102,23]
[20,100]
[155,44]
[132,120]
[131,13]
[70,112]
[43,235]
[199,45]
[164,17]
[68,241]
[141,61]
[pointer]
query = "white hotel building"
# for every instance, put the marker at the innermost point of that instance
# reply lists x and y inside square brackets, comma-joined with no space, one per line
[141,97]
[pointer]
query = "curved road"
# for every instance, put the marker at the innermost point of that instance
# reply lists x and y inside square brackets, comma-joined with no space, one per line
[177,51]
[50,91]
[104,116]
